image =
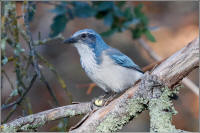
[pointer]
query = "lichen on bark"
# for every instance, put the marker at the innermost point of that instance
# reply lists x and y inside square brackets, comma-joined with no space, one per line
[115,122]
[161,110]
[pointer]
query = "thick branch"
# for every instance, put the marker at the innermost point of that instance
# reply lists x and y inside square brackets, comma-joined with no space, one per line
[179,65]
[39,119]
[186,81]
[113,116]
[160,111]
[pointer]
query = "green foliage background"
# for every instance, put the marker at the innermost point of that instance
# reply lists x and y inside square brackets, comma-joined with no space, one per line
[116,15]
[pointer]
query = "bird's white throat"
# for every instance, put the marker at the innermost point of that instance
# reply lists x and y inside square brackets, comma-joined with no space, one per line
[87,57]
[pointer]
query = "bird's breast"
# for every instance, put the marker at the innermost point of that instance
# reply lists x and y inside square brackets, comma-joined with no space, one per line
[108,75]
[89,64]
[87,57]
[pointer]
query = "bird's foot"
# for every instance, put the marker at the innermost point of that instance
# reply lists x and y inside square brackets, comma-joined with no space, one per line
[96,104]
[103,101]
[100,101]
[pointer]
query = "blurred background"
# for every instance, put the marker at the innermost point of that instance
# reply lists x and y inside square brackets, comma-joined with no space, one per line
[164,26]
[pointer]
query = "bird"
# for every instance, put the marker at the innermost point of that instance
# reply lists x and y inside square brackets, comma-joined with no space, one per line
[110,69]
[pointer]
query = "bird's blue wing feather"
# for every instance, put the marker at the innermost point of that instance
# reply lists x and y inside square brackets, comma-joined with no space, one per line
[122,60]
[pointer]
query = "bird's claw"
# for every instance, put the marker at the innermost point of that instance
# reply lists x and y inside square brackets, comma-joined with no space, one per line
[99,102]
[102,101]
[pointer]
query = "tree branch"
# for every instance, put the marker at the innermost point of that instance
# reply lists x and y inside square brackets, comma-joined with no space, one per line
[39,119]
[180,64]
[160,111]
[186,81]
[121,110]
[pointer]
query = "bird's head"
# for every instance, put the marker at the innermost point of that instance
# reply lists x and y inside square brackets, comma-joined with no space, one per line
[87,38]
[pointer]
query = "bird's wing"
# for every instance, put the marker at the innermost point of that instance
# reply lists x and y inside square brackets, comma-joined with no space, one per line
[122,60]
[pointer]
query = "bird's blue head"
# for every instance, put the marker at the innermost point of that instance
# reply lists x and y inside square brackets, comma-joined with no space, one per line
[87,39]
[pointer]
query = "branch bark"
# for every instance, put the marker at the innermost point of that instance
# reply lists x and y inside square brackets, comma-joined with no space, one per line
[161,111]
[186,81]
[121,110]
[36,120]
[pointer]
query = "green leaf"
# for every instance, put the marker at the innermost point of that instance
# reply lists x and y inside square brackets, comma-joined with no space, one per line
[137,10]
[128,14]
[108,19]
[126,24]
[18,49]
[3,43]
[14,93]
[58,26]
[150,36]
[4,60]
[103,5]
[136,33]
[60,9]
[83,10]
[140,15]
[101,15]
[117,11]
[31,11]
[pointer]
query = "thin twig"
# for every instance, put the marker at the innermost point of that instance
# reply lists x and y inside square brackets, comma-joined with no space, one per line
[149,50]
[189,84]
[10,113]
[43,79]
[19,100]
[31,45]
[9,22]
[60,80]
[33,53]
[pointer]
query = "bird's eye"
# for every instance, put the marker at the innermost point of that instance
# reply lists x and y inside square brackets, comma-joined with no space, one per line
[83,36]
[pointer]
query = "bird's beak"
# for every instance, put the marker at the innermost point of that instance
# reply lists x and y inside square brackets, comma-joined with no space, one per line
[70,40]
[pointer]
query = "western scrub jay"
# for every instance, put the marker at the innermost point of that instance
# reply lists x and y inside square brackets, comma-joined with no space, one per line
[109,68]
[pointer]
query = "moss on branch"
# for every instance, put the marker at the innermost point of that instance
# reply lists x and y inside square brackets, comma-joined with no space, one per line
[161,110]
[115,122]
